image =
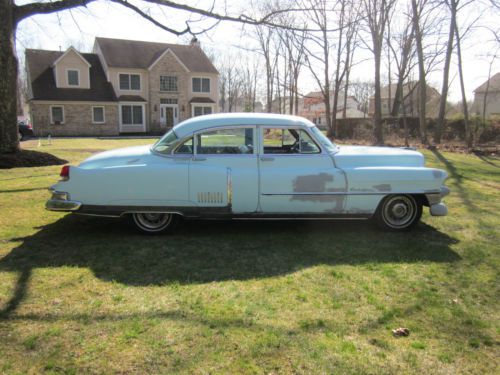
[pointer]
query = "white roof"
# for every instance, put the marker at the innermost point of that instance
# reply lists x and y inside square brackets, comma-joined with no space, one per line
[195,124]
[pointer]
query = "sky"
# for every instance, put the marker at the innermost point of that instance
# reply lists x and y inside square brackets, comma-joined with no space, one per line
[80,26]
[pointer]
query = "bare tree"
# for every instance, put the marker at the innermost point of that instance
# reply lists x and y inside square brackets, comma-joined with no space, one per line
[362,91]
[376,13]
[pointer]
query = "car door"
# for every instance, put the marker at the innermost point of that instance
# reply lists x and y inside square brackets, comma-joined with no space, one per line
[296,175]
[224,170]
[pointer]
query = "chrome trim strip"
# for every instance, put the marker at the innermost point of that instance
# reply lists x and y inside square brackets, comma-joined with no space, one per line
[229,188]
[354,193]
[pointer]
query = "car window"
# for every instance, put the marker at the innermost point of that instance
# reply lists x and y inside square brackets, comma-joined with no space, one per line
[288,141]
[165,144]
[226,141]
[185,148]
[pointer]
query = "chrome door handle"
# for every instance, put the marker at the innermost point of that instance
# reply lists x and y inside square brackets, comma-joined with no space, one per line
[266,158]
[197,158]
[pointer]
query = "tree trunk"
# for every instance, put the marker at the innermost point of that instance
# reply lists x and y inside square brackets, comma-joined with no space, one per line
[422,84]
[446,73]
[468,134]
[9,141]
[377,116]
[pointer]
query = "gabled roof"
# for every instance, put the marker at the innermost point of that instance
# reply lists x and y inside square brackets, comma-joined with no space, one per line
[494,84]
[71,49]
[121,53]
[39,63]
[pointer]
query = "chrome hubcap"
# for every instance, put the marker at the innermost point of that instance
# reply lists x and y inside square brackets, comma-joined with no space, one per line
[153,221]
[399,211]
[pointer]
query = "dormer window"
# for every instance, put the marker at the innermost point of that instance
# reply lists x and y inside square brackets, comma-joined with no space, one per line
[73,77]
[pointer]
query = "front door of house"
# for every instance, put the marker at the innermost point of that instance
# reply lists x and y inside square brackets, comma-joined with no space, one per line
[168,115]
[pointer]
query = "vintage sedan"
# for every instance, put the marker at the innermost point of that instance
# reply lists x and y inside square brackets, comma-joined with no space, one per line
[251,166]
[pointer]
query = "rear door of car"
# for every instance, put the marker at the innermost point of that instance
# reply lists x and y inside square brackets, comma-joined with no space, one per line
[224,169]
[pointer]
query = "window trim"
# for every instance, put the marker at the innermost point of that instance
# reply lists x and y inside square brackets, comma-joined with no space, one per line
[193,105]
[103,114]
[130,82]
[298,127]
[67,77]
[201,85]
[176,83]
[63,114]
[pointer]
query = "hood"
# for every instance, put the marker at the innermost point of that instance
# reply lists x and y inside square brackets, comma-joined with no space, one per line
[121,156]
[363,156]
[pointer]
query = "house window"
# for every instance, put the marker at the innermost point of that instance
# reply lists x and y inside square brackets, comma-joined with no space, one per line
[130,82]
[98,115]
[199,110]
[57,114]
[132,115]
[168,83]
[73,77]
[201,84]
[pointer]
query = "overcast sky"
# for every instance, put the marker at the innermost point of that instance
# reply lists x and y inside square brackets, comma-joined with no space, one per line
[80,26]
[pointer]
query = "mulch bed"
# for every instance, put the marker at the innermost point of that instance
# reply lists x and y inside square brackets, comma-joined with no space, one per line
[28,158]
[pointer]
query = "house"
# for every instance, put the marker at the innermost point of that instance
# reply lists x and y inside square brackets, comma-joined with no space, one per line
[312,107]
[489,93]
[410,99]
[123,86]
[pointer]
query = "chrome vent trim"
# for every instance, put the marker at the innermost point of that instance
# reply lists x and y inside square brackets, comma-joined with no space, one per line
[210,197]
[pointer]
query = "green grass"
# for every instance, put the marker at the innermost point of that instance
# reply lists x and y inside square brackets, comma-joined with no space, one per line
[89,295]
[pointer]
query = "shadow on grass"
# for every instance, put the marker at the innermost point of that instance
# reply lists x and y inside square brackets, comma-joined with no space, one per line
[207,251]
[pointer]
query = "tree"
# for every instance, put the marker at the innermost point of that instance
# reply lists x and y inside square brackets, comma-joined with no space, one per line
[376,14]
[13,14]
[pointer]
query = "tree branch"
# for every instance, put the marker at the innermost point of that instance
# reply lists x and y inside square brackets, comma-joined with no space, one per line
[27,10]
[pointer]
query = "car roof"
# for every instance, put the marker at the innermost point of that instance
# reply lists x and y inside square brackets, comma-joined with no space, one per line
[195,124]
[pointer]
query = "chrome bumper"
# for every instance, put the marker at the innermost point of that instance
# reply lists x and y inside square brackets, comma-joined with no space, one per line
[60,202]
[436,207]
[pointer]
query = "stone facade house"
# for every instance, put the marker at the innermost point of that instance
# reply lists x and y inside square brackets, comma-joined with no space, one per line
[124,86]
[488,93]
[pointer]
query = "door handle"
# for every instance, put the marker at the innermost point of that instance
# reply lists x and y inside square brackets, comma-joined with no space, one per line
[197,158]
[266,158]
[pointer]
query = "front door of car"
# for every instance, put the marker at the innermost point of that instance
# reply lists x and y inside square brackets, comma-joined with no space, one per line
[296,175]
[223,171]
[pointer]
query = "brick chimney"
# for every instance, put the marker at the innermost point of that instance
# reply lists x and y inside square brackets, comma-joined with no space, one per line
[195,42]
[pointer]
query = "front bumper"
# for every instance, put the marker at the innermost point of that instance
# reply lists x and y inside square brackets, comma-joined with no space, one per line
[436,207]
[60,201]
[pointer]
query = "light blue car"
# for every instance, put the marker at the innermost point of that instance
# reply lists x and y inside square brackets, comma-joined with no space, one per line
[251,166]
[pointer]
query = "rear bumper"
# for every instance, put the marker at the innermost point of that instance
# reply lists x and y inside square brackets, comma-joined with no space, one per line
[60,201]
[62,205]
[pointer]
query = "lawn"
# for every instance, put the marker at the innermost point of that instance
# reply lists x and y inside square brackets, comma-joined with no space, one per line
[89,295]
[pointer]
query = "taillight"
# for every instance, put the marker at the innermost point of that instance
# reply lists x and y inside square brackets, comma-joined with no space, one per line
[64,173]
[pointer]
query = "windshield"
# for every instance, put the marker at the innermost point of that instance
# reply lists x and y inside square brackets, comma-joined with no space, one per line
[330,147]
[164,145]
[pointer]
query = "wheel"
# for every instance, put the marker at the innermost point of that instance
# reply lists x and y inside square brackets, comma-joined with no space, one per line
[398,212]
[155,223]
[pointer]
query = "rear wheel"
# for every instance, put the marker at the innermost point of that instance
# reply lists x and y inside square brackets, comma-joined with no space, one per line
[398,213]
[154,222]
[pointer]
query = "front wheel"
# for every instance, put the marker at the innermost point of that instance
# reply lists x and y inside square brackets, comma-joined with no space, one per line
[155,223]
[398,213]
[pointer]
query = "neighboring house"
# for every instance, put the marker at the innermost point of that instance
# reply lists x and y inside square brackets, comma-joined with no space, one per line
[124,86]
[410,99]
[312,107]
[489,93]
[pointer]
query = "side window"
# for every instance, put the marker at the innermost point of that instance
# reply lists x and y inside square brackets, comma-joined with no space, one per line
[226,141]
[185,148]
[288,141]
